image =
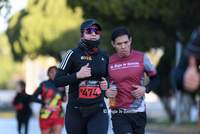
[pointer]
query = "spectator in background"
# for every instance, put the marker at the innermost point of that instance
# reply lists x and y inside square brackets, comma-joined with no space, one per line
[51,112]
[22,105]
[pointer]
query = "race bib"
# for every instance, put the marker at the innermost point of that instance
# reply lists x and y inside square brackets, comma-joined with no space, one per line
[89,89]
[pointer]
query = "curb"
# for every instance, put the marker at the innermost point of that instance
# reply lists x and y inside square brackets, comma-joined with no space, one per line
[173,129]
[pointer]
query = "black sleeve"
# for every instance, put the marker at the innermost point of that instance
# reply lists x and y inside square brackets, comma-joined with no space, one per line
[154,81]
[107,75]
[64,92]
[17,99]
[34,97]
[176,75]
[107,72]
[20,98]
[62,77]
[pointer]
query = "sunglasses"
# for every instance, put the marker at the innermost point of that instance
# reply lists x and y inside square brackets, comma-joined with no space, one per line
[90,31]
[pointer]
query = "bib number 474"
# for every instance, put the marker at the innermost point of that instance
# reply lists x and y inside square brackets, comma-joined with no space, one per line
[89,92]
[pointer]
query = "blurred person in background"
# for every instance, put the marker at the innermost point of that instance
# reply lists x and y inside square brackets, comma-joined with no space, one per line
[127,68]
[22,106]
[186,76]
[85,70]
[51,113]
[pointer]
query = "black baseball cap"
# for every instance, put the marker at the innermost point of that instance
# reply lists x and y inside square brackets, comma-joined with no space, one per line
[88,23]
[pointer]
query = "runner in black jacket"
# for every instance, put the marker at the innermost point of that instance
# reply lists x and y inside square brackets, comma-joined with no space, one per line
[85,70]
[186,76]
[22,106]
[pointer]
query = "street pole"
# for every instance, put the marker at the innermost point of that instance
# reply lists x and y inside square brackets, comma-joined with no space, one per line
[178,92]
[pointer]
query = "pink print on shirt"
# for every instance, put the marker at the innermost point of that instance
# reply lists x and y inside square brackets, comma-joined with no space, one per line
[124,65]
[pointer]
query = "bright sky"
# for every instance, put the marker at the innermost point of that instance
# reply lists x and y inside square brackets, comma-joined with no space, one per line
[17,5]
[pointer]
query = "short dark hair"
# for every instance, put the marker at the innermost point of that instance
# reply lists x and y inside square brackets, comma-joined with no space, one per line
[119,31]
[50,69]
[22,83]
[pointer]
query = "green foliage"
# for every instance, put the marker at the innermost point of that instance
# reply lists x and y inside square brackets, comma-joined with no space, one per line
[44,27]
[165,10]
[8,66]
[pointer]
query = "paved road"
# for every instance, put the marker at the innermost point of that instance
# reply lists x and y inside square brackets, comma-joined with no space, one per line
[9,126]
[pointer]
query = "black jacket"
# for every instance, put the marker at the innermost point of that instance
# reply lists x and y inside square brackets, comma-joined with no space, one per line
[72,63]
[192,48]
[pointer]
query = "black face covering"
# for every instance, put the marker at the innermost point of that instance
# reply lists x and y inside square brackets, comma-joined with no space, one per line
[91,47]
[91,44]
